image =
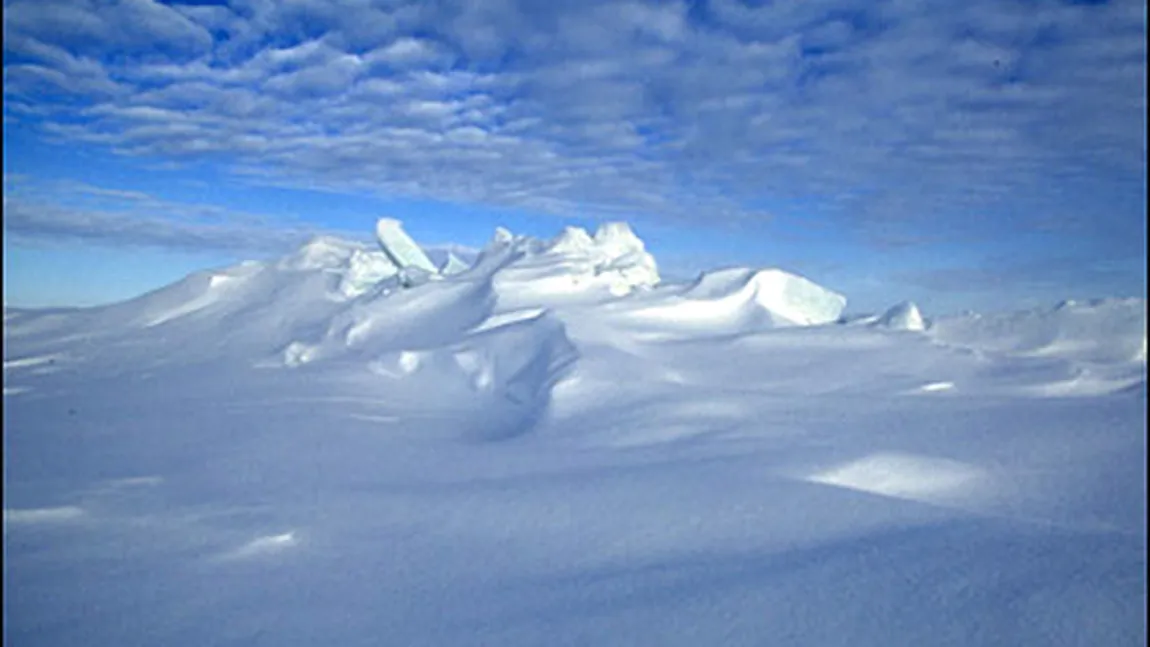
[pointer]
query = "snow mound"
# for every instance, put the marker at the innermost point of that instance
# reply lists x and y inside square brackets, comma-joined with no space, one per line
[195,294]
[791,299]
[902,316]
[747,297]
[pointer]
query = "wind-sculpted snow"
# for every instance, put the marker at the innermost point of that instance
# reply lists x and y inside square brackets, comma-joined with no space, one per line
[552,447]
[736,300]
[1107,330]
[1071,349]
[433,315]
[515,366]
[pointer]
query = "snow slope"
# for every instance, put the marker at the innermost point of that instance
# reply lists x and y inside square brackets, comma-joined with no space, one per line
[552,447]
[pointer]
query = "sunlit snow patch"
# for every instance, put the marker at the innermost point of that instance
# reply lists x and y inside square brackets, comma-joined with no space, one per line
[904,476]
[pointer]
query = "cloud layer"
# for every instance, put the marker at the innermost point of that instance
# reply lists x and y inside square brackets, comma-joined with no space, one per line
[75,211]
[896,119]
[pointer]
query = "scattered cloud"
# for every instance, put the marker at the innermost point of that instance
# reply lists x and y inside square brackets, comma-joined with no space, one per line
[41,515]
[895,117]
[76,211]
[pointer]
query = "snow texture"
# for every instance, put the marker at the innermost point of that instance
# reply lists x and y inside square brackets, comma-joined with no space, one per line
[555,448]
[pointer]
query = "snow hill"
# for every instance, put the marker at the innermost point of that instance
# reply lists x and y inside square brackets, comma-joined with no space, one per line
[543,443]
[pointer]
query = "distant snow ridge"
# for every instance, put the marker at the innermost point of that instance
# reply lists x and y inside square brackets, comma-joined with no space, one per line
[1100,331]
[902,316]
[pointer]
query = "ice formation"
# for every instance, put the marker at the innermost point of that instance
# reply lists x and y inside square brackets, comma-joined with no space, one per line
[365,270]
[400,248]
[574,264]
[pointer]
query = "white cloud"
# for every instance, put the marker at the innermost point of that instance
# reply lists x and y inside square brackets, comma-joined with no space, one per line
[96,27]
[41,515]
[894,115]
[36,211]
[408,52]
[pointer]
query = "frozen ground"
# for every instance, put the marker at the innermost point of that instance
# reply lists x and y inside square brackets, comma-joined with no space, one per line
[551,448]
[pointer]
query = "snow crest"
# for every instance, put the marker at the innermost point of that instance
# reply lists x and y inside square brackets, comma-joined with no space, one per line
[744,298]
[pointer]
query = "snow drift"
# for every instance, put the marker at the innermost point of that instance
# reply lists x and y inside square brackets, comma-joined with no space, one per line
[741,299]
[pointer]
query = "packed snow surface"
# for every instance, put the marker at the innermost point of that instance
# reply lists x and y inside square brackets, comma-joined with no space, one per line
[547,445]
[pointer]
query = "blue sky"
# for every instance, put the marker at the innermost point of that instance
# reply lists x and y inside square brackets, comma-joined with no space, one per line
[980,154]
